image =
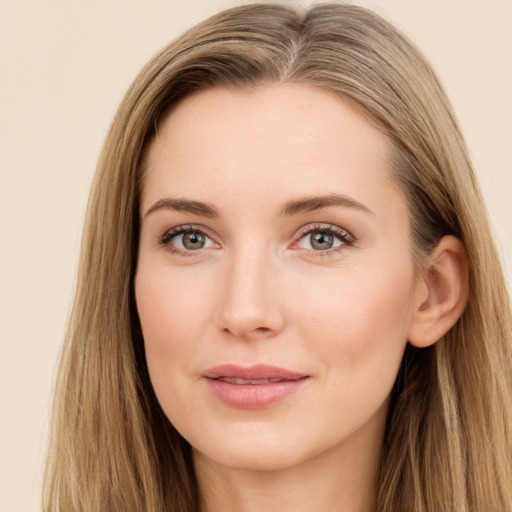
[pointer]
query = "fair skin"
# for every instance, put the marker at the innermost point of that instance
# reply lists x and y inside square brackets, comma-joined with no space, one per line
[239,266]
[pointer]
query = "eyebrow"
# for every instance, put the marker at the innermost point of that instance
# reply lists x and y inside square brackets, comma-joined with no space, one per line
[184,205]
[312,203]
[303,205]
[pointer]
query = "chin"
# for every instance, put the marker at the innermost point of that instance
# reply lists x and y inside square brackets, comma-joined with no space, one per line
[252,459]
[249,453]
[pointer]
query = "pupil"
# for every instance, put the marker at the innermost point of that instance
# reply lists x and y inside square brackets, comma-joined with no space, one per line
[321,241]
[193,240]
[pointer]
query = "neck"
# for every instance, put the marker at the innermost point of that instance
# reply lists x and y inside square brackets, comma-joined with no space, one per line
[342,480]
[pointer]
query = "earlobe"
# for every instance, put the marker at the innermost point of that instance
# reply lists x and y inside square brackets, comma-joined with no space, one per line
[441,293]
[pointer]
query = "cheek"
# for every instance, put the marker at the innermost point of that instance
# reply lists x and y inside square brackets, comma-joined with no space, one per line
[169,308]
[361,335]
[360,326]
[171,305]
[172,309]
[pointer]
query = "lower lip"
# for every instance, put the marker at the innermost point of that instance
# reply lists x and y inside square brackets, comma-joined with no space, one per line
[248,396]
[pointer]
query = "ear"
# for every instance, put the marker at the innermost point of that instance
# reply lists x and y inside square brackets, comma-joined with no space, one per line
[441,293]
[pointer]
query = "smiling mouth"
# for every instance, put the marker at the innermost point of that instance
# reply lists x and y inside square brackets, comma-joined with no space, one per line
[256,375]
[252,382]
[257,387]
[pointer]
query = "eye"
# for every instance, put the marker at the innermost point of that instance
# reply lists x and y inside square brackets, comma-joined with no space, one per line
[324,239]
[186,238]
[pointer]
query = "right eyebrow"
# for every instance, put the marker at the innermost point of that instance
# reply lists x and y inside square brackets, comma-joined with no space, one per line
[183,205]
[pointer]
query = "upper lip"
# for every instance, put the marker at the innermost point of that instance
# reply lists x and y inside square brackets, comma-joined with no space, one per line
[255,372]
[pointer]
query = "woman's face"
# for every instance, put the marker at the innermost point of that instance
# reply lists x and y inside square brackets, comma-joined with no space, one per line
[275,281]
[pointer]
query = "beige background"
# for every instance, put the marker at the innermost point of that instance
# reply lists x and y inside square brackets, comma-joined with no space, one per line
[64,66]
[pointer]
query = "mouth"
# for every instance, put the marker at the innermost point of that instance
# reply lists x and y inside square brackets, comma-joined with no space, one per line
[254,387]
[252,382]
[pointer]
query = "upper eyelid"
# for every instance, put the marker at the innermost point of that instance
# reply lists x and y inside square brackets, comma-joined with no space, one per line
[308,228]
[184,228]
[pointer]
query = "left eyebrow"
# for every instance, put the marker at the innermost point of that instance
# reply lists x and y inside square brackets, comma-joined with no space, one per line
[312,203]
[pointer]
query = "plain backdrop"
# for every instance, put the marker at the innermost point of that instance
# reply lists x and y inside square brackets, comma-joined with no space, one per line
[64,66]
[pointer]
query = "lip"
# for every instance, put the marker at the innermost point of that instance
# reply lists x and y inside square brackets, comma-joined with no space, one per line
[268,384]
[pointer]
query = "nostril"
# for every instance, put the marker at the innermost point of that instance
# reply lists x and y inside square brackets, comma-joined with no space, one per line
[258,332]
[262,333]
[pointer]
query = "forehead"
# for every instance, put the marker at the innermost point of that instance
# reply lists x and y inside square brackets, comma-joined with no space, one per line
[272,142]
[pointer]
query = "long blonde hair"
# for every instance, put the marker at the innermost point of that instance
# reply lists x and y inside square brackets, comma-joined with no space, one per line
[448,442]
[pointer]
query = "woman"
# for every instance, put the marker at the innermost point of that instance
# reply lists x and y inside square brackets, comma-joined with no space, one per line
[288,295]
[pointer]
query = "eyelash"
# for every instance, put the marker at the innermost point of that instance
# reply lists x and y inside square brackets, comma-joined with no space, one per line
[166,239]
[346,238]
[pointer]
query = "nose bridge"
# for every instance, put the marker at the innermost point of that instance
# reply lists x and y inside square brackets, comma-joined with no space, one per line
[250,300]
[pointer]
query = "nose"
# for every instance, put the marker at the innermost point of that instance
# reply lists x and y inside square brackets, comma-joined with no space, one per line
[250,307]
